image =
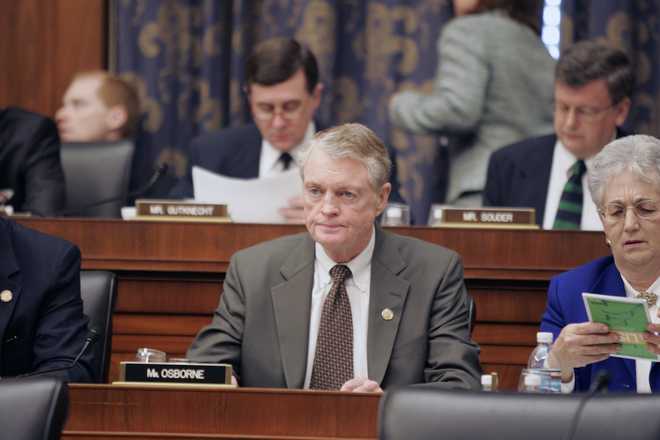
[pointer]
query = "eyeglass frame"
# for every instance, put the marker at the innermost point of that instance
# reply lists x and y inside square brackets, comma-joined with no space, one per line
[640,213]
[586,113]
[268,116]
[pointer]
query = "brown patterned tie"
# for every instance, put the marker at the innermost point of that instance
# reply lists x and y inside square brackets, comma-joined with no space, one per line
[333,360]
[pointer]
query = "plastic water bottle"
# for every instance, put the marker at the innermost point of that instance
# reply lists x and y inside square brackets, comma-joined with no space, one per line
[532,383]
[538,357]
[486,382]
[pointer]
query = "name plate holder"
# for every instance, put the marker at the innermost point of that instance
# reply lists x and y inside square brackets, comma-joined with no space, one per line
[173,210]
[175,374]
[484,218]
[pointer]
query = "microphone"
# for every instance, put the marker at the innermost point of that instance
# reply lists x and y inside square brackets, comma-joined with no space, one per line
[600,382]
[90,339]
[162,169]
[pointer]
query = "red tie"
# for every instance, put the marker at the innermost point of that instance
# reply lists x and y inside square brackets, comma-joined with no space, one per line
[333,360]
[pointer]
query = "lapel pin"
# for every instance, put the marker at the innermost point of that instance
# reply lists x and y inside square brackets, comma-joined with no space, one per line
[387,314]
[6,296]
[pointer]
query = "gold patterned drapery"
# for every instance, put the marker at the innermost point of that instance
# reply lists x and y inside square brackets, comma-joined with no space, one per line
[187,57]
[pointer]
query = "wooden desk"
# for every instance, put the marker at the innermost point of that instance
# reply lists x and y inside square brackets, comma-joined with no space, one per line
[170,277]
[105,411]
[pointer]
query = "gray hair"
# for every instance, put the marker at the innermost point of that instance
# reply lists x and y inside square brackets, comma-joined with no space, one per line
[354,141]
[639,154]
[591,60]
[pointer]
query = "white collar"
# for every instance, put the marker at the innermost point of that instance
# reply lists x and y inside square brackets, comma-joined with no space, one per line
[271,155]
[631,292]
[360,266]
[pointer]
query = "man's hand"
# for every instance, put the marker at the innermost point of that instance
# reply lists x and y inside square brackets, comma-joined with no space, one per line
[361,385]
[582,344]
[293,212]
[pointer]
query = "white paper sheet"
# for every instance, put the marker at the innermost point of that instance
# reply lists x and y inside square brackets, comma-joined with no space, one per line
[248,200]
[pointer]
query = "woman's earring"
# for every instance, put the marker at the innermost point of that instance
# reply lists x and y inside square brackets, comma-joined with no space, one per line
[608,241]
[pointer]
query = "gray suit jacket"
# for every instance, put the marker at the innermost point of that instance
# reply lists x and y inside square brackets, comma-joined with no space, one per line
[261,326]
[494,83]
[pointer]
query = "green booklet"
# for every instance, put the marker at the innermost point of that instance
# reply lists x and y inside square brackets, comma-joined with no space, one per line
[626,316]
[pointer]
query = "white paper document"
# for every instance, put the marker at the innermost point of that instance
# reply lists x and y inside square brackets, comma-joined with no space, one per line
[248,200]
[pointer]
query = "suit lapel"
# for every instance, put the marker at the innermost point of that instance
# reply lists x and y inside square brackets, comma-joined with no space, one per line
[10,279]
[535,177]
[611,283]
[291,304]
[388,291]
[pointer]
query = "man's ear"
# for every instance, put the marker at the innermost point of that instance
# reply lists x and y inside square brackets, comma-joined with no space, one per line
[116,117]
[384,196]
[622,109]
[316,95]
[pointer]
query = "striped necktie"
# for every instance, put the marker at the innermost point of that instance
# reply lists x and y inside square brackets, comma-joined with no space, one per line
[569,213]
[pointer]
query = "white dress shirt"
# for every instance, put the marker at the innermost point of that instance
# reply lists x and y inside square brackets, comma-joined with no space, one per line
[562,161]
[357,287]
[643,367]
[269,160]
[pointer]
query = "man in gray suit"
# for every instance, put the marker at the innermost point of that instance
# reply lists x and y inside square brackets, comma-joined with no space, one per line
[346,305]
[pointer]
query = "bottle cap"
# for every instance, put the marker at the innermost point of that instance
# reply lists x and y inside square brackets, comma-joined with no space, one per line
[544,338]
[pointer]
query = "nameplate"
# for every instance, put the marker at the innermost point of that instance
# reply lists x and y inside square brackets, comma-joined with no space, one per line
[181,373]
[507,218]
[175,210]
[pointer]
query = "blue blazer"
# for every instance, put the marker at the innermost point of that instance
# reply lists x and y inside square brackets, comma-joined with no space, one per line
[235,152]
[565,306]
[42,325]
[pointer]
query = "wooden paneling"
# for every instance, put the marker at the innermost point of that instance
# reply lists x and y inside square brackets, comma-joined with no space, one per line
[43,44]
[170,278]
[98,412]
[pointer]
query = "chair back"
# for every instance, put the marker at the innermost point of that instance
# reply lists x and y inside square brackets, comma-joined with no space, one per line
[426,412]
[472,313]
[96,171]
[98,290]
[33,409]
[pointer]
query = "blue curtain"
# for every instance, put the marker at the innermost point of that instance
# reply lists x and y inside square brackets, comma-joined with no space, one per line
[187,58]
[634,27]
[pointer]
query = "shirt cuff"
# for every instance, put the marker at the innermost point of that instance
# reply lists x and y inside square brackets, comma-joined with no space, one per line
[568,387]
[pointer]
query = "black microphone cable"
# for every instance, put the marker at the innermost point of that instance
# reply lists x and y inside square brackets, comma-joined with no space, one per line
[600,382]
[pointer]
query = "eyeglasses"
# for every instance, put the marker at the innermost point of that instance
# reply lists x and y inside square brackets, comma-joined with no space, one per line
[584,113]
[266,112]
[616,212]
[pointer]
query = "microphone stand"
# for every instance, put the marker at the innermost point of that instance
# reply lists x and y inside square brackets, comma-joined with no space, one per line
[601,380]
[90,339]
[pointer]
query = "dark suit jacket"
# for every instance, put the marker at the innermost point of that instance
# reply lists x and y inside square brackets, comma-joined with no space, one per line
[565,306]
[42,326]
[261,326]
[30,162]
[519,175]
[235,152]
